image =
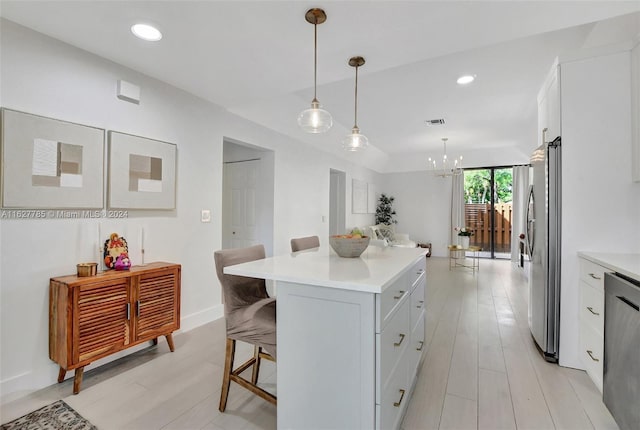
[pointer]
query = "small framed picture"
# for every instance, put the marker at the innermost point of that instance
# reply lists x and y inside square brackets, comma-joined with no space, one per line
[142,172]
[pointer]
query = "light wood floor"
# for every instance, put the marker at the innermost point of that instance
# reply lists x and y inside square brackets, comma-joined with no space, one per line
[481,370]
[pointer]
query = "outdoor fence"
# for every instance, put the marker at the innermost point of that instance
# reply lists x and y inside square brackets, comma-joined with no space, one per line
[478,218]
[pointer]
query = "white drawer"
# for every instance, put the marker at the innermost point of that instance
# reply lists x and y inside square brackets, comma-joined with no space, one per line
[417,301]
[417,270]
[390,346]
[592,307]
[592,353]
[592,274]
[416,348]
[389,300]
[394,399]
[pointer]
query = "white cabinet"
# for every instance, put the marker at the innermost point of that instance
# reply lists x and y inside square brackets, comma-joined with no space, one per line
[350,335]
[348,359]
[400,346]
[418,315]
[592,319]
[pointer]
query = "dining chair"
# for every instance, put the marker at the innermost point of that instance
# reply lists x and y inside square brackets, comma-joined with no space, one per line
[250,316]
[302,243]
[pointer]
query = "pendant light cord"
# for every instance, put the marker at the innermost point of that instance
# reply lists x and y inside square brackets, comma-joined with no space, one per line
[355,113]
[315,59]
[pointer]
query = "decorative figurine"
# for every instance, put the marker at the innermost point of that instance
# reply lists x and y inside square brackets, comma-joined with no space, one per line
[116,253]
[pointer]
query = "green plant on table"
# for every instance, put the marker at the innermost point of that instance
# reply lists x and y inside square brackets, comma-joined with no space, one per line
[464,231]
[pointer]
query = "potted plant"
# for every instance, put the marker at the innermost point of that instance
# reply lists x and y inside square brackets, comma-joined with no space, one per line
[384,211]
[464,234]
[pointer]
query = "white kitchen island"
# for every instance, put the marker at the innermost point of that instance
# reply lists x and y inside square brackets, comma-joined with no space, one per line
[350,334]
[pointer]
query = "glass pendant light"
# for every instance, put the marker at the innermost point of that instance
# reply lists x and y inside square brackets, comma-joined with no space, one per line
[355,141]
[315,119]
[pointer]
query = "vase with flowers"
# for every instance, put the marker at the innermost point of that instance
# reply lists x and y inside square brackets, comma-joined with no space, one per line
[464,235]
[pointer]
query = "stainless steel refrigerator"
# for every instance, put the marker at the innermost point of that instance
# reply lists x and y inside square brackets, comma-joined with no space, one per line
[543,241]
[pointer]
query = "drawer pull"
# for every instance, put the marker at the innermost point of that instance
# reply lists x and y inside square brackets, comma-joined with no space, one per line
[420,305]
[591,355]
[396,404]
[419,272]
[398,297]
[128,311]
[592,311]
[594,276]
[420,347]
[401,340]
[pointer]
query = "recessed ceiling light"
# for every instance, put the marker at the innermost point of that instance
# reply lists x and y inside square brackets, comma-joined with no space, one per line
[146,32]
[466,79]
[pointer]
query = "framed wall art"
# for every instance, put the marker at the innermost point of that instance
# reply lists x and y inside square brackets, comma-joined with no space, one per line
[358,197]
[142,172]
[49,163]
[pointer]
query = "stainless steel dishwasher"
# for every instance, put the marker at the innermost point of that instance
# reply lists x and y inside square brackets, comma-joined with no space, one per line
[621,389]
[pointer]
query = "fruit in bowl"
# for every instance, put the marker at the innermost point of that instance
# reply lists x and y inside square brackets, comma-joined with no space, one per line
[349,245]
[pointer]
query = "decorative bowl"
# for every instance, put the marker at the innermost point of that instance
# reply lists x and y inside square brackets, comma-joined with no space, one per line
[349,247]
[87,269]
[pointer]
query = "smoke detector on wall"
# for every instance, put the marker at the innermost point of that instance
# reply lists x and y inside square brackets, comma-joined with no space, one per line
[439,121]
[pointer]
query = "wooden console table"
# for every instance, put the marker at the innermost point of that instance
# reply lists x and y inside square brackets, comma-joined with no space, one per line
[95,316]
[458,257]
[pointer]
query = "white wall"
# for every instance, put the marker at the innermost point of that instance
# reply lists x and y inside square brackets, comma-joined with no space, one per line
[42,76]
[423,206]
[600,204]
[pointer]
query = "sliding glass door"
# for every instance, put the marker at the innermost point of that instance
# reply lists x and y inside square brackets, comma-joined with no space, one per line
[488,209]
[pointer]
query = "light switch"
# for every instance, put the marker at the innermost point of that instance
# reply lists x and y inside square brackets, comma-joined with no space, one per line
[205,215]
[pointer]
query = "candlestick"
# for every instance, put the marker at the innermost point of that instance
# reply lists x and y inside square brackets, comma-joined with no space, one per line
[99,249]
[142,247]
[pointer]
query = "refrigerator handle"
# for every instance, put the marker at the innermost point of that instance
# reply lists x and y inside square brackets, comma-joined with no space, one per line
[529,241]
[530,222]
[544,135]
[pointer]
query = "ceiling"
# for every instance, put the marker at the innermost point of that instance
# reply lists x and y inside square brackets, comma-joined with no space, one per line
[255,58]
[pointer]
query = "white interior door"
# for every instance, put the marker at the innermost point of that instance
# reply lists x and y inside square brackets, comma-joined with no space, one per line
[241,180]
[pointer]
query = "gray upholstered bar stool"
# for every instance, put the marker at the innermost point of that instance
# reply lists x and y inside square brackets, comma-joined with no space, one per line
[250,316]
[302,243]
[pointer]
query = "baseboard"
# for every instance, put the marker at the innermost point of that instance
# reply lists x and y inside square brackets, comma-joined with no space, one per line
[26,383]
[189,322]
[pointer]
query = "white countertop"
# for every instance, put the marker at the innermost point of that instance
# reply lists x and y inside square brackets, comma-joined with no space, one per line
[372,272]
[626,264]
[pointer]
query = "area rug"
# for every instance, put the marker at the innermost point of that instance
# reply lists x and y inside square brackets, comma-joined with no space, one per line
[56,416]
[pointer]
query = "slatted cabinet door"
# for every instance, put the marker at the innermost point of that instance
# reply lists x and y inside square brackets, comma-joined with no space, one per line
[102,319]
[157,303]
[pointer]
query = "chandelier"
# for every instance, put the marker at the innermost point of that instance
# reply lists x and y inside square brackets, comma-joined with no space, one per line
[447,168]
[315,119]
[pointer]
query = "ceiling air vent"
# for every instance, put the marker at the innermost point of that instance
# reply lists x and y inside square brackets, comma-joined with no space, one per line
[439,121]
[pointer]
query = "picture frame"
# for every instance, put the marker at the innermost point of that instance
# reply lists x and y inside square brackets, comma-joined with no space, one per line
[49,163]
[142,172]
[358,196]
